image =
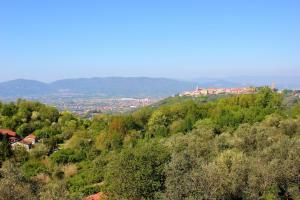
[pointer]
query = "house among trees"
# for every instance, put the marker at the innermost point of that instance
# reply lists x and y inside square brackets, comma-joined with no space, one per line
[30,139]
[9,134]
[26,142]
[16,141]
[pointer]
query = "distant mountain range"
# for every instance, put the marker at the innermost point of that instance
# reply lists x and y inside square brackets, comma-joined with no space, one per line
[22,88]
[106,87]
[131,86]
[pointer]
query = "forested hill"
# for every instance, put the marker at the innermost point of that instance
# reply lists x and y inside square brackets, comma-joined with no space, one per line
[237,147]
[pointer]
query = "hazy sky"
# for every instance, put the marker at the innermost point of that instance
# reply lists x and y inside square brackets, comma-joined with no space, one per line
[54,39]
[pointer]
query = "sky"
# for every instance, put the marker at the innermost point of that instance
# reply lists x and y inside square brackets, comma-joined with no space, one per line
[56,39]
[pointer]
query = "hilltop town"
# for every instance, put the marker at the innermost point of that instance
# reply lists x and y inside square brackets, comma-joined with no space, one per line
[292,95]
[210,91]
[215,91]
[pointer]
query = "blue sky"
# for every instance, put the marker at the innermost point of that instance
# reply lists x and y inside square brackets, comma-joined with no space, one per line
[54,39]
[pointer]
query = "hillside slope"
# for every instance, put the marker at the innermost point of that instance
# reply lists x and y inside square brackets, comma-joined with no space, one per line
[22,87]
[236,147]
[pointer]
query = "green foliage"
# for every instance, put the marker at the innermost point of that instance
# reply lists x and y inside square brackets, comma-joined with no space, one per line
[33,168]
[9,109]
[141,117]
[20,154]
[215,147]
[56,191]
[99,123]
[89,180]
[39,151]
[296,110]
[158,123]
[254,162]
[24,130]
[5,150]
[13,185]
[47,132]
[86,182]
[65,156]
[137,173]
[26,117]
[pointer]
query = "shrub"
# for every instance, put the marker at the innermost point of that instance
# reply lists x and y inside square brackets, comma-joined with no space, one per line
[33,168]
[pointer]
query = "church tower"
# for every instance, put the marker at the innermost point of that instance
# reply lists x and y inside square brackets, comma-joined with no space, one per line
[273,86]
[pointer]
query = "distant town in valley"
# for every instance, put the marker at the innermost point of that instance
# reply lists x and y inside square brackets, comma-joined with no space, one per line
[89,106]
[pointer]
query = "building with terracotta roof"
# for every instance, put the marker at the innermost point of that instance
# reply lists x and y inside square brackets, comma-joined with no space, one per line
[16,141]
[98,196]
[26,142]
[30,139]
[8,133]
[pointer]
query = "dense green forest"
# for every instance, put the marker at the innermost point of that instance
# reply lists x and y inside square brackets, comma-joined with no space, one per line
[234,147]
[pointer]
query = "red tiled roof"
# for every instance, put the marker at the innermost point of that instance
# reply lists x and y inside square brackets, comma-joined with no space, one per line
[8,132]
[31,137]
[98,196]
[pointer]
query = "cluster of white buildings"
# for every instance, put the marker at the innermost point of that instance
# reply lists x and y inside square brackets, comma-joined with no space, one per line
[210,91]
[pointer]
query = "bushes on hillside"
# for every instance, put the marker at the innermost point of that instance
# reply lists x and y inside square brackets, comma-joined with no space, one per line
[236,147]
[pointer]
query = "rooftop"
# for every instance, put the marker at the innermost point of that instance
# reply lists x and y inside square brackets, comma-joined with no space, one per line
[8,132]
